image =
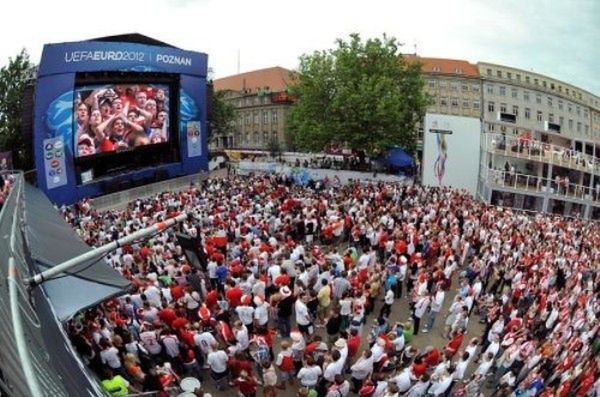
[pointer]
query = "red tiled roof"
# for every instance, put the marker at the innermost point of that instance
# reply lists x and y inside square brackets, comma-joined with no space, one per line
[271,79]
[445,66]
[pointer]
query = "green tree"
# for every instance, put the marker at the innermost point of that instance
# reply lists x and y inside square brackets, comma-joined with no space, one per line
[222,115]
[13,79]
[362,94]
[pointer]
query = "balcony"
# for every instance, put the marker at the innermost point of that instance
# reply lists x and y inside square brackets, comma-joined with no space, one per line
[530,149]
[558,188]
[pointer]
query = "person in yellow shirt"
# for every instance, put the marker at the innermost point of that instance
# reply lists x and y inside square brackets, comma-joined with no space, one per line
[324,297]
[116,385]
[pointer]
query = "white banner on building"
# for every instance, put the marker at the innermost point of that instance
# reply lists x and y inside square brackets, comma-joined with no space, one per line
[451,151]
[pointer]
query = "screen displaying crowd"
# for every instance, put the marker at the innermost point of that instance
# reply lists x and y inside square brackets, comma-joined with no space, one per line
[111,118]
[379,290]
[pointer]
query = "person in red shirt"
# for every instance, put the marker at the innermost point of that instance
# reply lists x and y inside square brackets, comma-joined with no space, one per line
[211,298]
[432,358]
[167,315]
[282,279]
[234,295]
[246,384]
[353,342]
[176,291]
[238,364]
[419,367]
[453,346]
[179,322]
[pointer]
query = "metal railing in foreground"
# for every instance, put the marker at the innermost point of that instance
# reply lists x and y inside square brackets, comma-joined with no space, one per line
[27,365]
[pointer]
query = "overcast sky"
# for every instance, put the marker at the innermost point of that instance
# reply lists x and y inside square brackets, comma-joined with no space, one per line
[556,38]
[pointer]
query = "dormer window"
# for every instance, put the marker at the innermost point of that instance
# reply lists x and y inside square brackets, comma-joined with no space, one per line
[436,69]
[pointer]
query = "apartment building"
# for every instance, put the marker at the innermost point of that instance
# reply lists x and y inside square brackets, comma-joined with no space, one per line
[540,143]
[261,106]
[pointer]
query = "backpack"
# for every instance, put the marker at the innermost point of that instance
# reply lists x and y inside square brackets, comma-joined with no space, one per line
[287,364]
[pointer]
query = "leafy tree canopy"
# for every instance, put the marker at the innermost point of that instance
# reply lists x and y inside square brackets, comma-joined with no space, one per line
[13,79]
[362,94]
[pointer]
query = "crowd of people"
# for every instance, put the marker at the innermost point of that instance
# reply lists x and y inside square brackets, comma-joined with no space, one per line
[302,287]
[116,118]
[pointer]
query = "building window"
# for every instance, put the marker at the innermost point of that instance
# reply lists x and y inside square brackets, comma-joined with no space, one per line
[256,120]
[551,117]
[544,84]
[538,98]
[527,79]
[552,86]
[431,84]
[560,104]
[587,129]
[490,106]
[490,89]
[491,127]
[503,108]
[442,84]
[561,120]
[454,86]
[454,102]
[265,117]
[578,111]
[578,126]
[443,101]
[527,113]
[256,137]
[433,101]
[571,124]
[436,69]
[247,139]
[489,72]
[275,137]
[475,88]
[499,74]
[274,116]
[265,137]
[539,115]
[503,128]
[550,101]
[569,107]
[502,90]
[526,96]
[476,105]
[516,110]
[518,77]
[514,92]
[536,82]
[567,91]
[466,104]
[458,71]
[560,88]
[465,88]
[248,118]
[509,75]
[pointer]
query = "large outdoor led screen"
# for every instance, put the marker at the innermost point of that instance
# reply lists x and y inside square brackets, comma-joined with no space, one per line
[113,118]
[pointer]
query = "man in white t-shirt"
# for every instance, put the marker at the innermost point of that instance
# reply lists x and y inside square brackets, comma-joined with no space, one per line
[309,375]
[110,356]
[217,362]
[302,315]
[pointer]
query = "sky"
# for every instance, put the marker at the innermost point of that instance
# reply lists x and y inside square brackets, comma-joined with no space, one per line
[555,38]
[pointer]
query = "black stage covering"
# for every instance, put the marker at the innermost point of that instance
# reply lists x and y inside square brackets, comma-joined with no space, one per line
[51,241]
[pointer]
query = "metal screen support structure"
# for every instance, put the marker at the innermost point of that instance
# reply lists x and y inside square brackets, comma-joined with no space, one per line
[97,252]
